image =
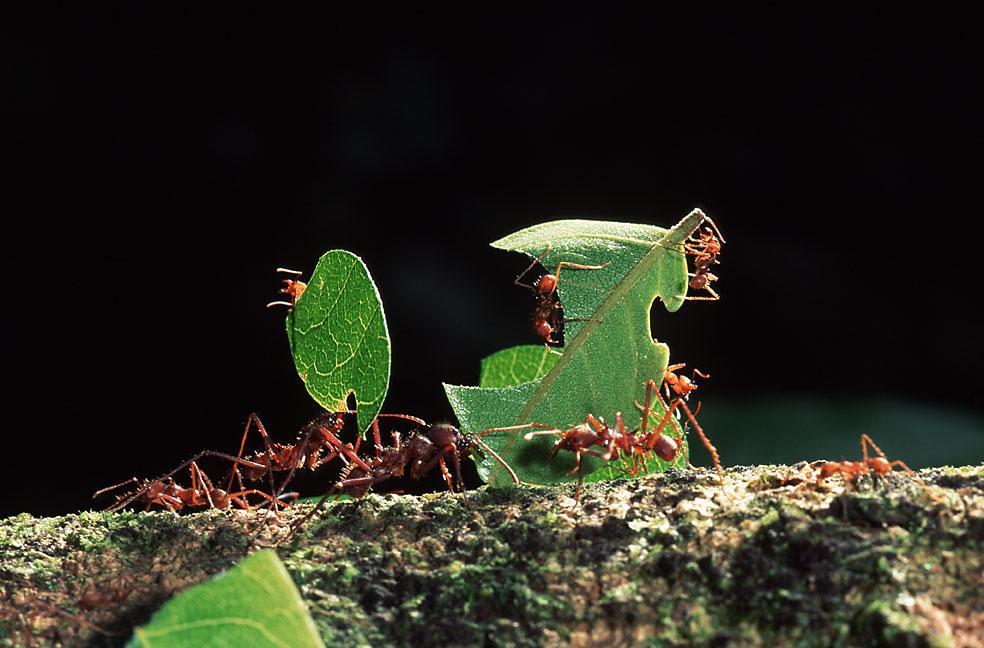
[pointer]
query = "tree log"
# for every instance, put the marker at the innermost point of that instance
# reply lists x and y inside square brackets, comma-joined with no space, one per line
[770,557]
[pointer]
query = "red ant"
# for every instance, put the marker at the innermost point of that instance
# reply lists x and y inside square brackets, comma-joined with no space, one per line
[705,251]
[293,288]
[166,493]
[851,471]
[581,438]
[424,448]
[638,444]
[316,437]
[548,313]
[680,385]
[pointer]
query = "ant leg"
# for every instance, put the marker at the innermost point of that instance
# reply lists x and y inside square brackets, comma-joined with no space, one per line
[445,473]
[576,266]
[918,479]
[336,489]
[347,451]
[593,422]
[456,459]
[200,482]
[239,498]
[517,281]
[310,514]
[865,440]
[651,386]
[293,464]
[375,436]
[707,443]
[714,296]
[495,455]
[253,418]
[708,219]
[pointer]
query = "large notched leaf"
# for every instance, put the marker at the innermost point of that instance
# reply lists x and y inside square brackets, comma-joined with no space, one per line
[253,604]
[338,337]
[517,365]
[609,352]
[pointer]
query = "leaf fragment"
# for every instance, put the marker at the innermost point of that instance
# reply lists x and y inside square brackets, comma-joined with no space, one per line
[609,352]
[253,604]
[339,339]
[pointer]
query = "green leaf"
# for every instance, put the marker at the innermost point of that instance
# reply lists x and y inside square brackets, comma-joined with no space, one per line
[517,365]
[338,336]
[253,604]
[609,354]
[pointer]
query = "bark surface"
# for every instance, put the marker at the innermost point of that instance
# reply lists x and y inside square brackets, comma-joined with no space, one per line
[672,559]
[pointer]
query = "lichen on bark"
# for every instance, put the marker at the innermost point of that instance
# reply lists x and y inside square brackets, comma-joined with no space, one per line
[671,559]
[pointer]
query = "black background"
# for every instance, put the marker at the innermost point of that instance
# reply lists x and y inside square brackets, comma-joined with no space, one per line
[161,165]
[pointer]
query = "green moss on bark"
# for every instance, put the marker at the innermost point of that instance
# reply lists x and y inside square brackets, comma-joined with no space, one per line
[670,559]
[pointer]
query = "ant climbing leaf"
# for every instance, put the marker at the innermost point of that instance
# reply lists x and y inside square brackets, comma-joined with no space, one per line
[253,604]
[609,352]
[338,337]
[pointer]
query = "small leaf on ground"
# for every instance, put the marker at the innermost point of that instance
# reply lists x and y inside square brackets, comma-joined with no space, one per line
[609,352]
[253,604]
[338,336]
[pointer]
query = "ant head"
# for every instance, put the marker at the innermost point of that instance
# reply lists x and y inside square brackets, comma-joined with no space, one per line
[543,328]
[444,434]
[547,284]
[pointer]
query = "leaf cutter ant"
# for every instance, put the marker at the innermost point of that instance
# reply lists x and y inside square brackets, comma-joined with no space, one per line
[548,314]
[615,441]
[318,436]
[425,447]
[851,471]
[293,288]
[165,492]
[705,250]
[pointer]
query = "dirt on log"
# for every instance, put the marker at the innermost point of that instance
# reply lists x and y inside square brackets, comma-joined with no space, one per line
[673,559]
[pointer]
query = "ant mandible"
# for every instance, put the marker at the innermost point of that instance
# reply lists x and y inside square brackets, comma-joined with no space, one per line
[548,312]
[851,471]
[293,288]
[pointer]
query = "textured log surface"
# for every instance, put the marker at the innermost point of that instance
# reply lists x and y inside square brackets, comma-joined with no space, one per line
[670,559]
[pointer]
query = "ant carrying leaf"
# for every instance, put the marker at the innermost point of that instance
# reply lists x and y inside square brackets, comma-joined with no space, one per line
[609,350]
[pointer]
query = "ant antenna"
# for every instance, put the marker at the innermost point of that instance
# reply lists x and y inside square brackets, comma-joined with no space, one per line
[501,461]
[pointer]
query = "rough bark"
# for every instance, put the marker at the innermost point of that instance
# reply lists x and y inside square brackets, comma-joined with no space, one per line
[672,559]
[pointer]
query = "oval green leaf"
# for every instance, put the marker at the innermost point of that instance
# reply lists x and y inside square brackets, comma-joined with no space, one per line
[338,337]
